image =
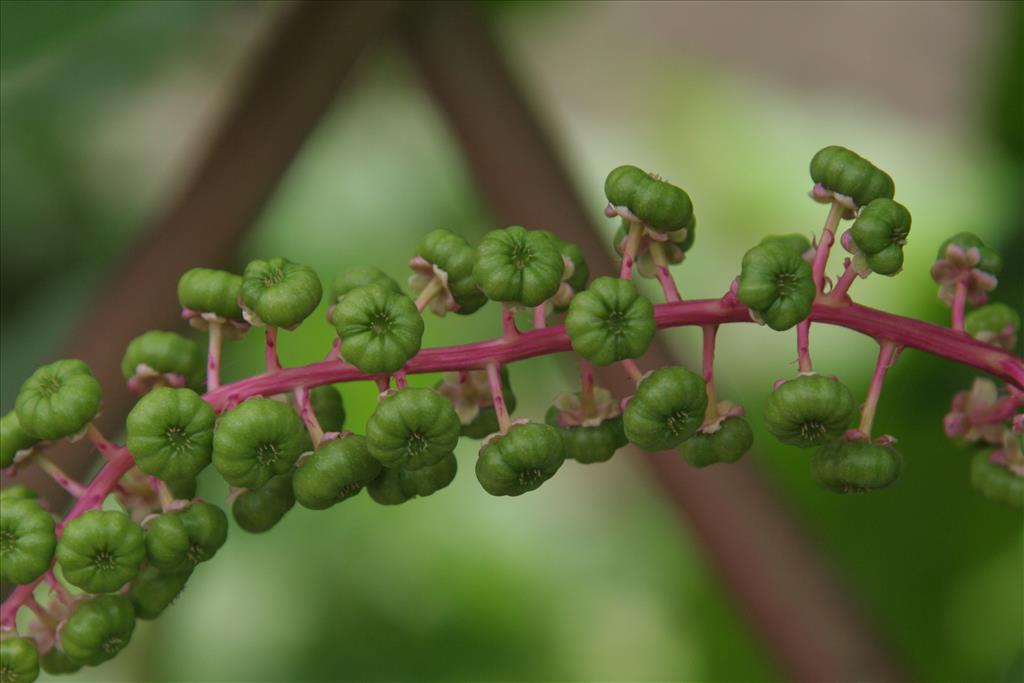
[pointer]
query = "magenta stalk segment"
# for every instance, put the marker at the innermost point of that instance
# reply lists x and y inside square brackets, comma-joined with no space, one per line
[636,231]
[216,333]
[273,362]
[887,352]
[498,397]
[710,332]
[828,238]
[960,302]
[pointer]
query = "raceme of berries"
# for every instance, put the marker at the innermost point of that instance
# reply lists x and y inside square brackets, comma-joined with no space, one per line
[808,411]
[136,532]
[101,551]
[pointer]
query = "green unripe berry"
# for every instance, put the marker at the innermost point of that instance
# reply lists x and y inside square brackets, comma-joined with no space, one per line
[98,630]
[610,321]
[412,428]
[776,283]
[991,261]
[101,551]
[856,466]
[153,591]
[258,510]
[328,407]
[394,486]
[991,318]
[667,409]
[206,290]
[338,470]
[166,353]
[19,660]
[733,438]
[170,433]
[182,489]
[13,439]
[520,460]
[58,400]
[518,266]
[178,541]
[453,254]
[808,411]
[880,231]
[580,270]
[257,440]
[56,662]
[996,481]
[280,292]
[27,540]
[794,242]
[660,205]
[847,173]
[589,444]
[380,330]
[17,492]
[361,276]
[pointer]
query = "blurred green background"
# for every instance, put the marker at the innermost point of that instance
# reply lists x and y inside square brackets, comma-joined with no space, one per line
[105,106]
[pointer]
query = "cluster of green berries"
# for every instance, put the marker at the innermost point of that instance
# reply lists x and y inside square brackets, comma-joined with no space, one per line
[274,451]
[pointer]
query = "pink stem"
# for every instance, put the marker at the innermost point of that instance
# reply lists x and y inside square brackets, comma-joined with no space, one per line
[213,358]
[74,488]
[401,381]
[540,318]
[383,384]
[803,346]
[668,284]
[316,432]
[497,397]
[710,332]
[632,369]
[587,404]
[845,280]
[45,617]
[905,332]
[273,363]
[508,323]
[828,238]
[886,357]
[55,585]
[335,352]
[1003,409]
[107,449]
[960,302]
[636,231]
